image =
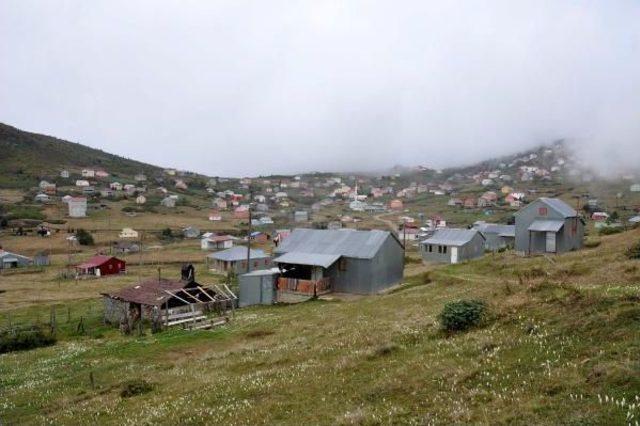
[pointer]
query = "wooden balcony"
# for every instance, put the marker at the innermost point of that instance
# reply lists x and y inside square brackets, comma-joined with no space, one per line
[306,287]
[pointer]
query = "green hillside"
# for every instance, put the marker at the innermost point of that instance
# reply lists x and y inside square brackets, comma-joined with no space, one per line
[559,346]
[27,157]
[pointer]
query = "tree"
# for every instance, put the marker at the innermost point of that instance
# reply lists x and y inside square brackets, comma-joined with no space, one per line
[84,237]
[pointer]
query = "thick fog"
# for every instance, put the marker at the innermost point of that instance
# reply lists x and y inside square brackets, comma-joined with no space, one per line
[255,87]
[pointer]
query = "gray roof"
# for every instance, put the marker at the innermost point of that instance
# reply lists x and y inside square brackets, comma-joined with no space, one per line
[496,228]
[12,257]
[237,253]
[546,225]
[452,237]
[341,242]
[314,259]
[560,206]
[261,272]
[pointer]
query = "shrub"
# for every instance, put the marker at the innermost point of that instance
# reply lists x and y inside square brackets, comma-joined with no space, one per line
[591,243]
[461,315]
[135,387]
[24,340]
[610,230]
[84,237]
[633,252]
[166,233]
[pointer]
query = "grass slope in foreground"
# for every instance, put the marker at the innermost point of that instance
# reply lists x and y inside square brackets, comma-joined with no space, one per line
[560,347]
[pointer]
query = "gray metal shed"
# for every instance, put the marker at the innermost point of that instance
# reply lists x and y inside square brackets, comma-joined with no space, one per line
[10,260]
[258,287]
[341,260]
[235,259]
[497,236]
[453,245]
[548,225]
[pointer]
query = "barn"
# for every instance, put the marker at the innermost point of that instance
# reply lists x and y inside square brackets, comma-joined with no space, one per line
[101,265]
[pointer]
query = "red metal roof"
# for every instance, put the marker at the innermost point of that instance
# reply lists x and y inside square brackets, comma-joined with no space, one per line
[95,261]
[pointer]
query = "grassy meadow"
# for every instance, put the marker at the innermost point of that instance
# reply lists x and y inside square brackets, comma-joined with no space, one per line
[559,346]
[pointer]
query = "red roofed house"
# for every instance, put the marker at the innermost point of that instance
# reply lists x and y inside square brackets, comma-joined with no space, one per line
[396,205]
[241,212]
[101,265]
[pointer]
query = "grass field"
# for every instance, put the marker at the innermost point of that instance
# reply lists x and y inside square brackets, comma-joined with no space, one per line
[559,346]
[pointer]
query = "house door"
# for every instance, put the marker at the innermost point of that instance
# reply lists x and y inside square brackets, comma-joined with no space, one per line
[551,242]
[454,254]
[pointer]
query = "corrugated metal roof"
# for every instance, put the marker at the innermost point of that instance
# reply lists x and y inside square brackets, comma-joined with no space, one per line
[314,259]
[560,206]
[452,237]
[546,225]
[95,261]
[261,272]
[342,242]
[5,254]
[237,253]
[496,228]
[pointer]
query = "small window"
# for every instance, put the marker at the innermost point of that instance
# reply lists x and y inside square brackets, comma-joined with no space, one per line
[430,248]
[342,264]
[439,249]
[444,249]
[255,264]
[542,211]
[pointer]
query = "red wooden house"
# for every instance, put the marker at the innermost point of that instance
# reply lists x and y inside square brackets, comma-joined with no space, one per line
[101,265]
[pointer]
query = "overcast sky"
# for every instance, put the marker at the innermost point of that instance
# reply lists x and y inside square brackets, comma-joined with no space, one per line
[254,87]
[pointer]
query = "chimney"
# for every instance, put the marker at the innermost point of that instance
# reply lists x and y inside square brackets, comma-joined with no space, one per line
[188,273]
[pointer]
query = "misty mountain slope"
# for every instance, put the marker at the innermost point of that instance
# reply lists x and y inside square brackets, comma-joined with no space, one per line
[27,157]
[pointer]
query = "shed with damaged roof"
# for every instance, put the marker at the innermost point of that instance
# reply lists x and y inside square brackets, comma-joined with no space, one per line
[452,245]
[341,260]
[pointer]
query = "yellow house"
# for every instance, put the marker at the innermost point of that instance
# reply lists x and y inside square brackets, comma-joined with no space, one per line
[128,233]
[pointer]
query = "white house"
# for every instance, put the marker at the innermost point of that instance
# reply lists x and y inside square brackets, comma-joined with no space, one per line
[216,242]
[128,233]
[77,207]
[81,183]
[88,173]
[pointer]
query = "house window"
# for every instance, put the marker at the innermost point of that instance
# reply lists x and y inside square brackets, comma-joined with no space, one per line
[440,249]
[542,211]
[444,249]
[342,264]
[430,248]
[255,264]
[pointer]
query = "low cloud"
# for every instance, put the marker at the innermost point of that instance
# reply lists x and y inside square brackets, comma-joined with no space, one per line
[247,88]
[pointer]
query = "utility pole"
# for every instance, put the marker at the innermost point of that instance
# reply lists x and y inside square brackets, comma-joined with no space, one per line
[249,242]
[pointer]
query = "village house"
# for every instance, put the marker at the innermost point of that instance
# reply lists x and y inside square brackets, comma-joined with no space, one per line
[64,174]
[215,216]
[635,187]
[259,237]
[126,247]
[315,261]
[141,199]
[190,232]
[452,245]
[101,265]
[180,184]
[241,212]
[219,203]
[81,183]
[396,205]
[140,177]
[88,173]
[211,241]
[41,198]
[496,236]
[301,216]
[168,202]
[77,206]
[10,260]
[235,259]
[101,174]
[599,216]
[548,225]
[128,233]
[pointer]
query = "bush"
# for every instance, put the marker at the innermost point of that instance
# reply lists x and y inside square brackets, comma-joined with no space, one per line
[610,230]
[633,252]
[84,237]
[24,340]
[135,387]
[461,315]
[591,243]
